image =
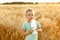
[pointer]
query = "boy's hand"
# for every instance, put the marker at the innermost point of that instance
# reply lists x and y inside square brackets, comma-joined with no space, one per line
[31,31]
[39,29]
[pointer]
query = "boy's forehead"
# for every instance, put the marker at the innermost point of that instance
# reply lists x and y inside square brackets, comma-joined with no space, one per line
[30,12]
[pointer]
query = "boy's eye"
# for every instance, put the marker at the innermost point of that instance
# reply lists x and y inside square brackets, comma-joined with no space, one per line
[30,15]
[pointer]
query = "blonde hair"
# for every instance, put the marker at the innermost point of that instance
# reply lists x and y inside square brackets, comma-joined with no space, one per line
[29,10]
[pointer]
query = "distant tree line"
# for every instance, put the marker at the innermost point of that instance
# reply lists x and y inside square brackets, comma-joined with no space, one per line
[21,3]
[30,3]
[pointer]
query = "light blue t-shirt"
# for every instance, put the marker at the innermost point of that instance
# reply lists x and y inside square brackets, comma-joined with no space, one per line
[27,26]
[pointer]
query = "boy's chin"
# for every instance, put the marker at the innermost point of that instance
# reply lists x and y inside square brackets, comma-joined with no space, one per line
[29,19]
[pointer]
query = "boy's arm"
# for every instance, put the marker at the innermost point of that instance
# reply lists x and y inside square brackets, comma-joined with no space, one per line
[39,29]
[24,33]
[24,30]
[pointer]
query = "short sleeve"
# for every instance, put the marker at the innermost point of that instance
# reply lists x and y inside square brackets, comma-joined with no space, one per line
[38,25]
[23,26]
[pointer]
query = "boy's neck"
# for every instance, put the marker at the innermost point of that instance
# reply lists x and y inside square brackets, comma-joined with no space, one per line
[29,20]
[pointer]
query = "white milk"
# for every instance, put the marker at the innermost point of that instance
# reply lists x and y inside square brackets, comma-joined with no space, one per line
[34,26]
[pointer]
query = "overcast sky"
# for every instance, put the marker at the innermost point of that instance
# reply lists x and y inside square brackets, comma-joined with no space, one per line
[3,1]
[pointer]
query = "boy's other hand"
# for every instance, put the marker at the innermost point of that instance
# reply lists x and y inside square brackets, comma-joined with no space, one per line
[39,29]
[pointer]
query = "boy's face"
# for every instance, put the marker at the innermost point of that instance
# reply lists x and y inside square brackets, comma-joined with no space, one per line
[29,15]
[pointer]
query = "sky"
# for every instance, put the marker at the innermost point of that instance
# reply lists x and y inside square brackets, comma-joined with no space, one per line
[3,1]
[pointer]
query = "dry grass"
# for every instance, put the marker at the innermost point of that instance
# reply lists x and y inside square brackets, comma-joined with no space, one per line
[12,17]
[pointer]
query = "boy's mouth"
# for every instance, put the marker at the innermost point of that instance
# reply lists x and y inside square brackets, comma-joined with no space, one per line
[31,18]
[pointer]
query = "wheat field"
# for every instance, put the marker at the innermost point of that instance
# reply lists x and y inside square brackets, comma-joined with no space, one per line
[13,16]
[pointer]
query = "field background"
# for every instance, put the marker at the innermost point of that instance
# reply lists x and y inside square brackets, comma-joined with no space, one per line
[13,16]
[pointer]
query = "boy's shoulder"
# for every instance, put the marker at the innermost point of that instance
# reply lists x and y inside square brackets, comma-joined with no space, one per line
[37,21]
[25,22]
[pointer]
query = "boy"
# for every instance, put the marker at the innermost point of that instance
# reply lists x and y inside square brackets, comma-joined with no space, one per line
[28,30]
